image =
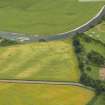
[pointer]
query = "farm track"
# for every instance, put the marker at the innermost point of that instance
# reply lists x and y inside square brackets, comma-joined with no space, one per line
[22,38]
[64,83]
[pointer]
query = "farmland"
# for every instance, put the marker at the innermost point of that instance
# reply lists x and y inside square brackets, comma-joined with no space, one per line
[23,94]
[49,61]
[45,17]
[39,61]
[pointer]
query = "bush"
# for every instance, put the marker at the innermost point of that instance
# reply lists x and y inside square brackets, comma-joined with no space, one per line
[76,42]
[88,68]
[77,45]
[96,58]
[5,42]
[87,39]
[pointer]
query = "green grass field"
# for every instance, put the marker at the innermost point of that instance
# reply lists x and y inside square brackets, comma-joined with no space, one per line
[23,94]
[39,61]
[45,17]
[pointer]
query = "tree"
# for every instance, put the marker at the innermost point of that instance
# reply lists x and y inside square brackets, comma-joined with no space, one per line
[96,58]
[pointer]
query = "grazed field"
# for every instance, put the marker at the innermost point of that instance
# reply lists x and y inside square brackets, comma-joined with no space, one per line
[45,16]
[23,94]
[39,61]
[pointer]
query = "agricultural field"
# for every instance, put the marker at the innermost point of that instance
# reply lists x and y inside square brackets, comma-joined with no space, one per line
[45,17]
[24,94]
[39,61]
[48,61]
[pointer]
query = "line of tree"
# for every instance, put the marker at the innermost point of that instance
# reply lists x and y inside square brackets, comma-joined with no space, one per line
[95,58]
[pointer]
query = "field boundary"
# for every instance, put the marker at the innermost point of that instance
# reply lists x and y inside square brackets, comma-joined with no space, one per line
[65,83]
